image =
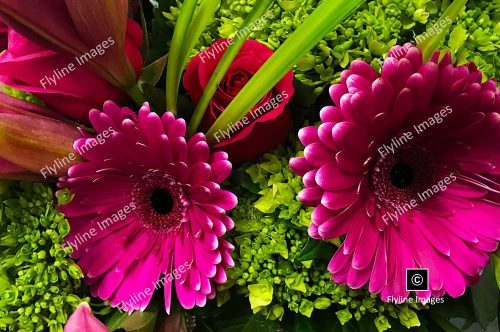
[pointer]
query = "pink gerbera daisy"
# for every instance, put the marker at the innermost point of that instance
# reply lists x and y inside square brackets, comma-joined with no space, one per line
[406,167]
[148,210]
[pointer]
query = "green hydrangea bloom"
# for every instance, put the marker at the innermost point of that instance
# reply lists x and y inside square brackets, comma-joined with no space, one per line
[270,234]
[476,37]
[367,35]
[39,285]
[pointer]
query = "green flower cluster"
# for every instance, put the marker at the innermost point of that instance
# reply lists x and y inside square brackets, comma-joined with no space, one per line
[367,35]
[278,266]
[476,37]
[39,285]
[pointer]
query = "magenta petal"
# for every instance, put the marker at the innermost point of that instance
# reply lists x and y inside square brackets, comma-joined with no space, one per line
[379,273]
[300,166]
[326,137]
[200,172]
[339,262]
[220,170]
[311,197]
[336,92]
[187,296]
[339,199]
[317,154]
[308,135]
[350,136]
[337,182]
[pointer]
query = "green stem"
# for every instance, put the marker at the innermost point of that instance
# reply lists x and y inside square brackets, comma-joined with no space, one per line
[321,21]
[227,59]
[204,14]
[136,94]
[173,67]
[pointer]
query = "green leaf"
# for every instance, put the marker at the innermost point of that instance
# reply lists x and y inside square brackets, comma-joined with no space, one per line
[152,73]
[141,321]
[136,94]
[254,323]
[160,33]
[155,97]
[367,324]
[176,48]
[116,320]
[306,308]
[457,38]
[242,178]
[203,16]
[321,21]
[302,324]
[429,43]
[225,62]
[259,324]
[261,294]
[461,307]
[314,249]
[145,33]
[444,323]
[495,257]
[485,297]
[296,282]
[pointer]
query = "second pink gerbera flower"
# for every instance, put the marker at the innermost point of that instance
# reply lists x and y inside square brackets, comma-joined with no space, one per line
[148,211]
[406,167]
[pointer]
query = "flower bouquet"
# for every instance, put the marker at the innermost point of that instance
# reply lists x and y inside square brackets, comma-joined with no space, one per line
[216,165]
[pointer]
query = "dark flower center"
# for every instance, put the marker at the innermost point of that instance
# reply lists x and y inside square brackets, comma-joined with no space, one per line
[397,179]
[161,204]
[161,201]
[401,175]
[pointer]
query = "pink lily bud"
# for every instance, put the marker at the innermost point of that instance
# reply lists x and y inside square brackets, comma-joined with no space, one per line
[38,144]
[82,320]
[10,171]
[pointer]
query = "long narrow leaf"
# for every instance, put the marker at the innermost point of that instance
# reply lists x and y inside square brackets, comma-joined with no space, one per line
[173,67]
[323,20]
[201,19]
[229,55]
[429,44]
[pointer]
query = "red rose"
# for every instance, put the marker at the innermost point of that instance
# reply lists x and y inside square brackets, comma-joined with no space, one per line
[267,125]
